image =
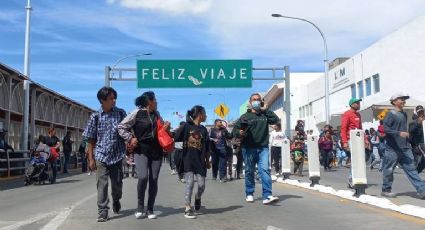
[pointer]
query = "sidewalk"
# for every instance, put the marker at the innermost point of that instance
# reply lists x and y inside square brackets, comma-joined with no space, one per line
[337,178]
[18,181]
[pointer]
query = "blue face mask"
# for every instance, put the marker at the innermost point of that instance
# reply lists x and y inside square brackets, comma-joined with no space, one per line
[256,105]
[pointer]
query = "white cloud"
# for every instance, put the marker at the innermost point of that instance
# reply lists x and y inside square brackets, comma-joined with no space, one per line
[169,6]
[246,29]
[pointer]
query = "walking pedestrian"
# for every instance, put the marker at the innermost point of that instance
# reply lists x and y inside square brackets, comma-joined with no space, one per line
[350,120]
[148,154]
[102,134]
[219,136]
[374,141]
[326,147]
[53,142]
[276,142]
[237,150]
[67,149]
[3,143]
[417,137]
[398,149]
[253,127]
[178,154]
[195,140]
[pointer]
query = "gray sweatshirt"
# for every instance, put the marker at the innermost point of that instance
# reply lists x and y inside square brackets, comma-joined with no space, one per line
[394,123]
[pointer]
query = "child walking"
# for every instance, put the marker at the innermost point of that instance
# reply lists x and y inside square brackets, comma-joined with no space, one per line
[195,156]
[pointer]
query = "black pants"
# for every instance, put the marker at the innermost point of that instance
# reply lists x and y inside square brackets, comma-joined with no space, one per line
[67,155]
[239,162]
[147,171]
[229,158]
[326,156]
[298,166]
[276,158]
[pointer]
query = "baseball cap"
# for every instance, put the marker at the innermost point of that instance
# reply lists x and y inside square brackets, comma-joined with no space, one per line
[353,100]
[399,95]
[419,108]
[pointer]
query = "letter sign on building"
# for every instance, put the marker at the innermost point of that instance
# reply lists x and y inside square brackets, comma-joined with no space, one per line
[194,73]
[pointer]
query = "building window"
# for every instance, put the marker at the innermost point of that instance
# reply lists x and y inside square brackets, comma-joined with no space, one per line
[353,91]
[368,86]
[360,88]
[376,83]
[310,108]
[300,111]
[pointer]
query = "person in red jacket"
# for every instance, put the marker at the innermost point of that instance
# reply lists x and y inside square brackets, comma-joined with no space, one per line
[350,120]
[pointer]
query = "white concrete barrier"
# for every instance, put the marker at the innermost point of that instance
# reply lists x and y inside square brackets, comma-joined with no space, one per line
[286,158]
[313,159]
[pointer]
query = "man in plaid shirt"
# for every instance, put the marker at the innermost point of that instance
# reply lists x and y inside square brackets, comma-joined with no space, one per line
[102,134]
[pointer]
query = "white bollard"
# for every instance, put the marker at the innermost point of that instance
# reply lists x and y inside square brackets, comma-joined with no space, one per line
[358,162]
[313,159]
[286,158]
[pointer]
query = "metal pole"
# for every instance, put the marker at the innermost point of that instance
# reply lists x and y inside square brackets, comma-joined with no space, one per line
[287,100]
[327,106]
[25,122]
[107,76]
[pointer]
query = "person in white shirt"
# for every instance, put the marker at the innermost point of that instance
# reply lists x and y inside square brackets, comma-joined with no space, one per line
[275,143]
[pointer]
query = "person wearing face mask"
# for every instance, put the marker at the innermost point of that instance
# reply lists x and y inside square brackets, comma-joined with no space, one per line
[253,127]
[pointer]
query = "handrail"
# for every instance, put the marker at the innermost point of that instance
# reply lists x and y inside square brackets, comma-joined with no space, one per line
[8,157]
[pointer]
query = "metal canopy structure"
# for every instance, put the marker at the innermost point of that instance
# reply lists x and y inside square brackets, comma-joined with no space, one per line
[286,95]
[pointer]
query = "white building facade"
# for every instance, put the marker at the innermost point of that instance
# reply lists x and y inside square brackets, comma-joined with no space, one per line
[396,63]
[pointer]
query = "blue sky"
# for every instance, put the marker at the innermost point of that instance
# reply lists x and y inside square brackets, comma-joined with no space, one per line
[73,41]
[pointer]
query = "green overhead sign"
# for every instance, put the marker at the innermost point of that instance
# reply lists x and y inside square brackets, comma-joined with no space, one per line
[194,73]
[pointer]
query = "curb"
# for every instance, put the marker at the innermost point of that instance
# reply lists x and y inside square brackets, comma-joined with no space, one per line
[379,202]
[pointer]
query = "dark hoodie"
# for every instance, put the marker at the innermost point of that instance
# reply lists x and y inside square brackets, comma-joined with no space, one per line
[256,126]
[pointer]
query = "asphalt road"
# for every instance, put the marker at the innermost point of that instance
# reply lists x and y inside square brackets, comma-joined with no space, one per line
[71,204]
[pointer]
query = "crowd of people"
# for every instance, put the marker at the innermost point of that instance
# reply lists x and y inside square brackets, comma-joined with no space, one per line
[112,136]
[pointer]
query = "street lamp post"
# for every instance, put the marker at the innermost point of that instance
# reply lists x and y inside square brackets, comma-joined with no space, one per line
[327,109]
[109,71]
[24,139]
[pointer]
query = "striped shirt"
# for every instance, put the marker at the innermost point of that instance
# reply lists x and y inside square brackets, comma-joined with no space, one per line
[102,126]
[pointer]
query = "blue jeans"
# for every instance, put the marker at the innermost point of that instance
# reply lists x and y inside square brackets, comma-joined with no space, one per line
[260,156]
[405,158]
[219,163]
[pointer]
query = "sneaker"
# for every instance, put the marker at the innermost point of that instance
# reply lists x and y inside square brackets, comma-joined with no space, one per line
[151,215]
[223,180]
[103,216]
[197,203]
[270,199]
[139,215]
[88,174]
[182,180]
[249,199]
[190,214]
[116,206]
[388,194]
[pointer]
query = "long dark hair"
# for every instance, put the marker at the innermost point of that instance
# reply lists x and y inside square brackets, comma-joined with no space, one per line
[194,113]
[143,100]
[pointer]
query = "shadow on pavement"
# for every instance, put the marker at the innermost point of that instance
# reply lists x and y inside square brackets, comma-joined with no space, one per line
[19,182]
[409,194]
[205,211]
[123,214]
